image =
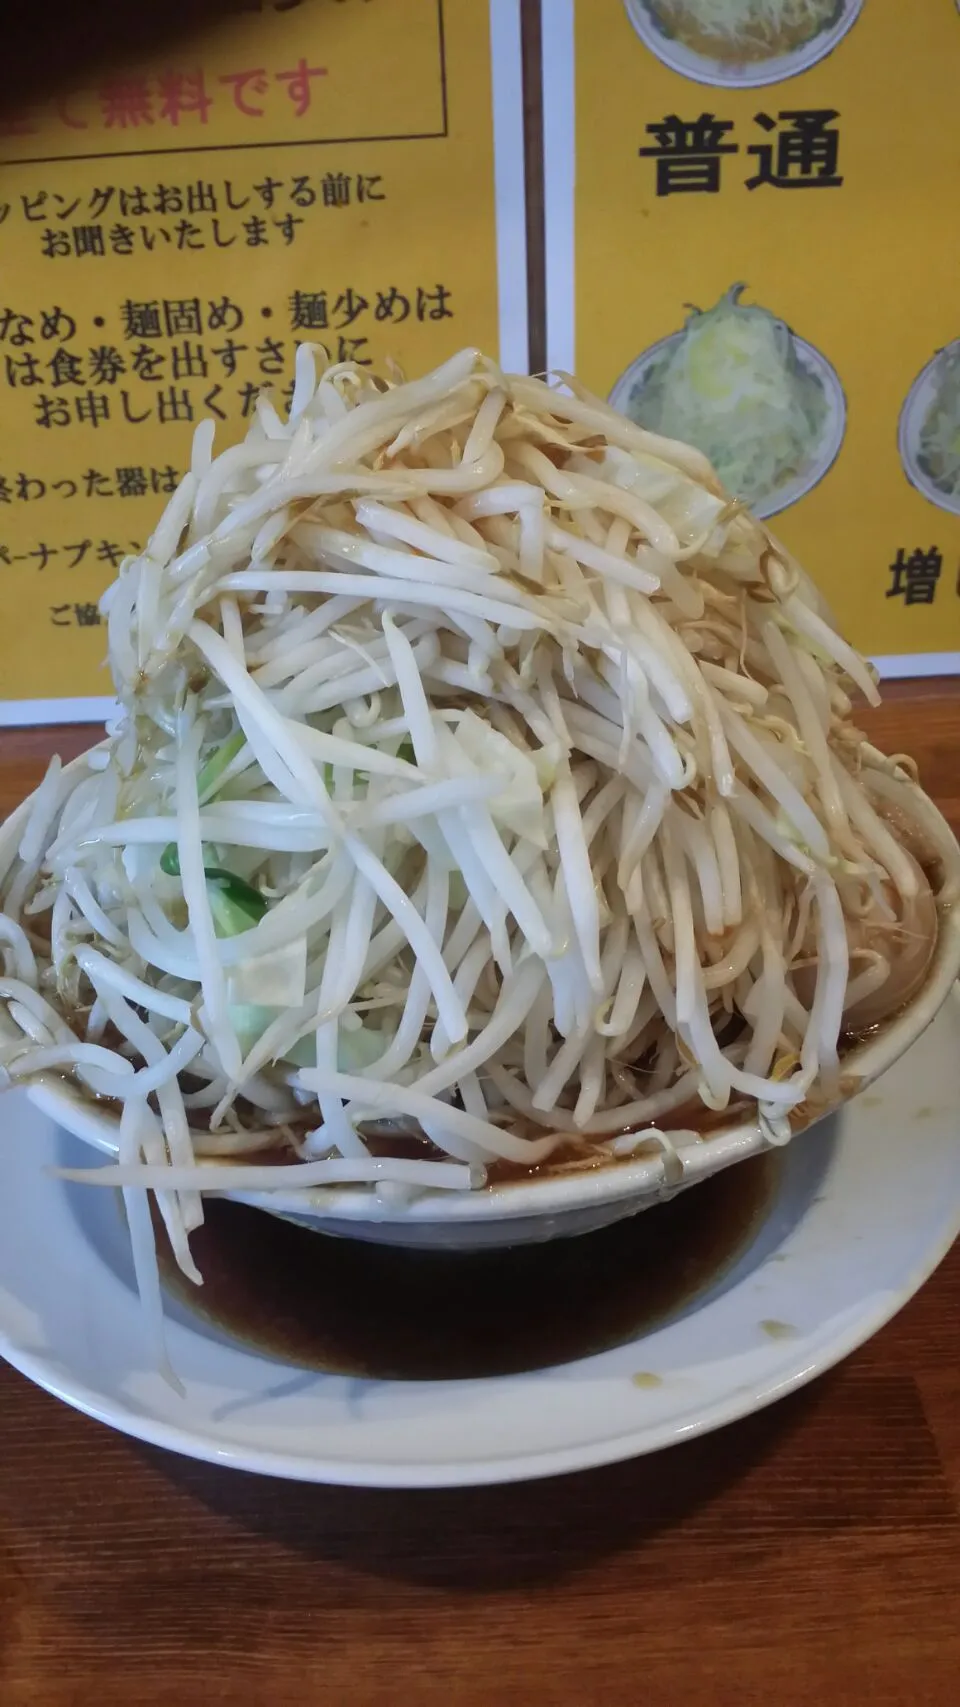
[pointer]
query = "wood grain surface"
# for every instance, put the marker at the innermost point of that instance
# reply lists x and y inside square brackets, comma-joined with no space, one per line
[808,1554]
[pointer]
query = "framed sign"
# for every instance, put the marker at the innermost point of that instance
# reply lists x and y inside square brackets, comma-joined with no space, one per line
[344,171]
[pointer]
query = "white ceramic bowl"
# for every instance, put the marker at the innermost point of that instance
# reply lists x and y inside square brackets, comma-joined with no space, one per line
[745,74]
[551,1207]
[824,453]
[913,418]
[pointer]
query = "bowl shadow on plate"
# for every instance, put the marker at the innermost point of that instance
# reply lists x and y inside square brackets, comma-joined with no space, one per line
[491,1540]
[312,1307]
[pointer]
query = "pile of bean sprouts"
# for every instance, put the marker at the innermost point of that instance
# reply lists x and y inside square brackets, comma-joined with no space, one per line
[484,791]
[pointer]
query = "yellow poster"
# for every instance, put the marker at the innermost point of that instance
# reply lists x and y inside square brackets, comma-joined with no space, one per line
[752,244]
[344,171]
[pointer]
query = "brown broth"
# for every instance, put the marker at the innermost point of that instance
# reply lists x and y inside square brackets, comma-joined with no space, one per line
[350,1308]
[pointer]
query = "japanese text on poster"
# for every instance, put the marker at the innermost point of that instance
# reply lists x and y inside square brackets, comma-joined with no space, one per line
[752,213]
[310,169]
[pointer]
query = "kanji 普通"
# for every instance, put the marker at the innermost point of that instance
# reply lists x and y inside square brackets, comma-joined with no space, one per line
[804,156]
[87,615]
[689,152]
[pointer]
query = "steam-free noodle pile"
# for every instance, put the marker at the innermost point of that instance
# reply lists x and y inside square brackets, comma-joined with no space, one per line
[478,758]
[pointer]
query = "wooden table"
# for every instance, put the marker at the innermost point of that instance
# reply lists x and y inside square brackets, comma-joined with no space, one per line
[811,1553]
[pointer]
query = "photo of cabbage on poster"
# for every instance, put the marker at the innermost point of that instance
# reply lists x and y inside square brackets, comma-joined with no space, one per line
[746,248]
[343,172]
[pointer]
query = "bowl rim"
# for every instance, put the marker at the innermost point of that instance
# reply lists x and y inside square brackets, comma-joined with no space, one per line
[759,74]
[611,1181]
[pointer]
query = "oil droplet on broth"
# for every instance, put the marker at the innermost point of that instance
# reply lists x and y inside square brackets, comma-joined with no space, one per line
[646,1378]
[349,1308]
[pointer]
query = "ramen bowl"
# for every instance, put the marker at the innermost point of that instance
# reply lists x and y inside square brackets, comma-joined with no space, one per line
[790,488]
[557,1204]
[920,401]
[701,66]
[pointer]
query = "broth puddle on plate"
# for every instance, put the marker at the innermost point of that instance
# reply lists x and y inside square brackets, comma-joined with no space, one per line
[371,1310]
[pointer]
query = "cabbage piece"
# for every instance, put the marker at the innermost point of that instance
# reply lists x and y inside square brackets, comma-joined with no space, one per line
[744,29]
[519,805]
[938,451]
[733,385]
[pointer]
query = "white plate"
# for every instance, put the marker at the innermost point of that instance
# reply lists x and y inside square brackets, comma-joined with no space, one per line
[913,416]
[824,454]
[865,1207]
[752,74]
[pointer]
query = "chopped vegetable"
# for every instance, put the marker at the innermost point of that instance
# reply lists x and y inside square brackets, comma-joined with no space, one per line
[733,384]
